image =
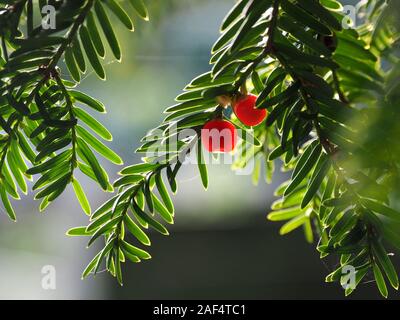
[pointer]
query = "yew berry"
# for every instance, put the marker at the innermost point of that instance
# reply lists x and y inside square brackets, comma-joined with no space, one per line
[246,111]
[219,136]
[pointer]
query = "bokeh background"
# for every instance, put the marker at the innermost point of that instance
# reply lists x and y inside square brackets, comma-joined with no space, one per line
[221,245]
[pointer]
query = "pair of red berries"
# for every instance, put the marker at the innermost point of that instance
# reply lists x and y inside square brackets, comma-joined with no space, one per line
[219,135]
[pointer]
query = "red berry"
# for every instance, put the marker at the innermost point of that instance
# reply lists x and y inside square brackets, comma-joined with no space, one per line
[219,136]
[246,111]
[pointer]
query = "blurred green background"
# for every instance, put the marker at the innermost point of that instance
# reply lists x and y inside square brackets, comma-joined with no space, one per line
[221,246]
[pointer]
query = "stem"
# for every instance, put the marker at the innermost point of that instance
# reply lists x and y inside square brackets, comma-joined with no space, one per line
[328,147]
[48,70]
[71,34]
[71,113]
[60,51]
[267,49]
